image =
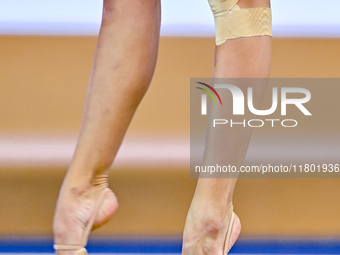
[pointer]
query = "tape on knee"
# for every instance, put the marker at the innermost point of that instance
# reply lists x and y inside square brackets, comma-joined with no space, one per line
[232,22]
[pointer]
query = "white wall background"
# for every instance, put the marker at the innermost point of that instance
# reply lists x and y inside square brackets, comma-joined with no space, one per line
[291,18]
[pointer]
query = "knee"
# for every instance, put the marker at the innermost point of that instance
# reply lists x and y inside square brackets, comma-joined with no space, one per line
[117,9]
[109,7]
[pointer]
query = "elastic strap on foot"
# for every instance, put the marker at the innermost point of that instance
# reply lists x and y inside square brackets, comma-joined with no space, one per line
[230,212]
[67,247]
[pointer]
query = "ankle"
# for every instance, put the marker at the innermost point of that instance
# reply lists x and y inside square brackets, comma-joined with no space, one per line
[212,206]
[209,219]
[215,193]
[80,180]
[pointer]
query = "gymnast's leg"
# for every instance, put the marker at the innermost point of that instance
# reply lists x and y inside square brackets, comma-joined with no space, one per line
[209,215]
[123,66]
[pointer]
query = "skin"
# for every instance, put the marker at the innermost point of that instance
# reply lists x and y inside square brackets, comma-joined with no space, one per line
[123,67]
[207,219]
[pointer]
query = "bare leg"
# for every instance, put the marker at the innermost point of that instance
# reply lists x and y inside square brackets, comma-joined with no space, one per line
[123,67]
[206,223]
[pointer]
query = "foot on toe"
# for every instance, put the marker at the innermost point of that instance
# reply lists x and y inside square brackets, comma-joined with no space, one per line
[74,211]
[210,235]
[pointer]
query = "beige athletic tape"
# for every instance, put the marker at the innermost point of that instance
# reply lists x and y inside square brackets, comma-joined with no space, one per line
[232,22]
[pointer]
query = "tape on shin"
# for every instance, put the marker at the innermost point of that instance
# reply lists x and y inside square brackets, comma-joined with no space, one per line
[232,22]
